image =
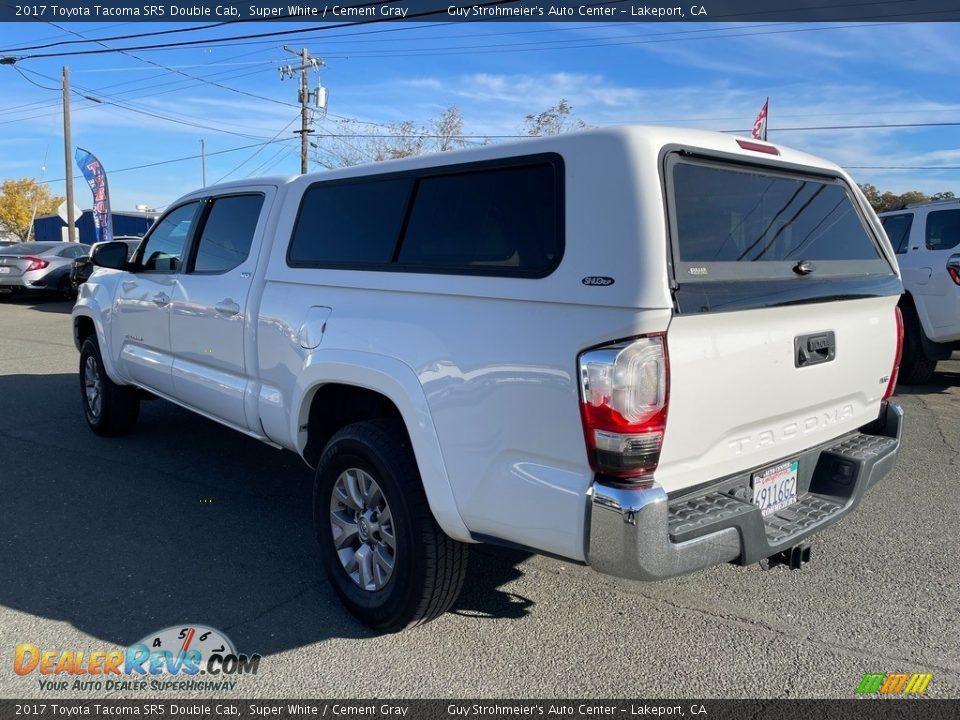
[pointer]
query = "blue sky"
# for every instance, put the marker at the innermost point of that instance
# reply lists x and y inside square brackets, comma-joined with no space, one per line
[712,76]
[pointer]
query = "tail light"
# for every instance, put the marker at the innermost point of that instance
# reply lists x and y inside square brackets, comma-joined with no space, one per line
[953,268]
[896,359]
[35,263]
[624,398]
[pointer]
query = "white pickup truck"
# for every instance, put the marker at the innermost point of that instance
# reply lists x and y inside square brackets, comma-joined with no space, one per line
[644,349]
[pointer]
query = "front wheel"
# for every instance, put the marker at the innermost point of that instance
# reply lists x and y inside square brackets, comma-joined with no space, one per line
[110,409]
[383,552]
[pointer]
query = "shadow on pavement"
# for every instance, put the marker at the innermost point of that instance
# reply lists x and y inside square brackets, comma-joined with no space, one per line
[942,381]
[181,521]
[40,303]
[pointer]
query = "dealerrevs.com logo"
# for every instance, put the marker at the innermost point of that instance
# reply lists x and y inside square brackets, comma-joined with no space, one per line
[183,657]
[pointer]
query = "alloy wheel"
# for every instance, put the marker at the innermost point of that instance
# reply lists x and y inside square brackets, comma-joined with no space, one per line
[363,530]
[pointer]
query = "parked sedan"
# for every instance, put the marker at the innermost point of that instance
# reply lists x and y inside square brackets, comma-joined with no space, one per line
[82,267]
[39,267]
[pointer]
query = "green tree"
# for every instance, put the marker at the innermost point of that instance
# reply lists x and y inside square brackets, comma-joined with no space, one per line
[881,202]
[22,200]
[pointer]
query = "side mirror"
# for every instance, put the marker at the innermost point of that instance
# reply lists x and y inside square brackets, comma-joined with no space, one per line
[110,255]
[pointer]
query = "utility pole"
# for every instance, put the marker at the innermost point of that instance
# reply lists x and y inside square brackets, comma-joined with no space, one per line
[203,163]
[304,112]
[307,62]
[67,159]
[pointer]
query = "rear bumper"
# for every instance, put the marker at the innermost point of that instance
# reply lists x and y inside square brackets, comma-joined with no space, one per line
[646,535]
[27,281]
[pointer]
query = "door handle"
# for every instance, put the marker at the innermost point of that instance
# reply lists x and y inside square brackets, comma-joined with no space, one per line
[814,349]
[161,299]
[227,307]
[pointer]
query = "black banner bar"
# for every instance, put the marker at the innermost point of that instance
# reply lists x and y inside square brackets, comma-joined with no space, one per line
[358,11]
[187,709]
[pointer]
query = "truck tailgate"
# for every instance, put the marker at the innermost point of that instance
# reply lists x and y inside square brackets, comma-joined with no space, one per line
[784,333]
[738,400]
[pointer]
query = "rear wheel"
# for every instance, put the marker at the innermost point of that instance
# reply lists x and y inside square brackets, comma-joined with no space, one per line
[915,367]
[383,552]
[110,409]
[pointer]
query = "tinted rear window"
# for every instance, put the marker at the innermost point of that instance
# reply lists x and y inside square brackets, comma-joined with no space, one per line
[356,222]
[727,218]
[503,218]
[943,229]
[227,233]
[897,228]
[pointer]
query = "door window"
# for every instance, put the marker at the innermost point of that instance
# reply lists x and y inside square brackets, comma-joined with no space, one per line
[898,230]
[162,251]
[227,233]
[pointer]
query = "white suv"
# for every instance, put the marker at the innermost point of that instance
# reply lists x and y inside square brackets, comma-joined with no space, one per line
[926,238]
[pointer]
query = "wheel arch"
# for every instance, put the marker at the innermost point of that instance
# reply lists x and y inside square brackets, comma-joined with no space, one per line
[359,386]
[86,323]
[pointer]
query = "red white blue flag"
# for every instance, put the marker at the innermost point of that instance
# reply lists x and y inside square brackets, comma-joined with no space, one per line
[96,178]
[760,124]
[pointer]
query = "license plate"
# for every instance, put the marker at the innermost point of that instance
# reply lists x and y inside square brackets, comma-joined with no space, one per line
[4,270]
[776,487]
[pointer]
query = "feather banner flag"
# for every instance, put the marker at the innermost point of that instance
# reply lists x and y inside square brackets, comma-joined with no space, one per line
[96,178]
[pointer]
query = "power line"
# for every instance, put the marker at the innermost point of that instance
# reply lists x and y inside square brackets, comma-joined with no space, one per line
[148,113]
[36,84]
[125,37]
[180,72]
[258,151]
[175,160]
[549,44]
[179,85]
[190,43]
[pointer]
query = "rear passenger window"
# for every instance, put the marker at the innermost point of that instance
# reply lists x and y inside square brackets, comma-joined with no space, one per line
[897,228]
[356,222]
[503,218]
[503,221]
[227,233]
[943,229]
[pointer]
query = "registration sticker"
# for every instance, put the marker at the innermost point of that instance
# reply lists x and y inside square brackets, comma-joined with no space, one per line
[775,488]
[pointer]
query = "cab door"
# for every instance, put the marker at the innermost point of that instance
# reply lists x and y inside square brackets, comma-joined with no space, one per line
[942,240]
[210,321]
[140,330]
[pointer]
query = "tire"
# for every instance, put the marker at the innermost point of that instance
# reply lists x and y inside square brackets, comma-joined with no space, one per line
[65,288]
[110,409]
[428,567]
[915,367]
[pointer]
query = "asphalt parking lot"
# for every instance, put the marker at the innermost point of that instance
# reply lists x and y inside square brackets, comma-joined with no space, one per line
[104,541]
